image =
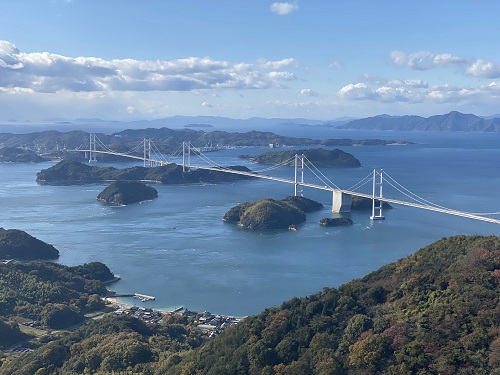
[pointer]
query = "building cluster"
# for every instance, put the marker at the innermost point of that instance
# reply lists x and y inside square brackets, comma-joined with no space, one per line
[209,323]
[145,314]
[215,324]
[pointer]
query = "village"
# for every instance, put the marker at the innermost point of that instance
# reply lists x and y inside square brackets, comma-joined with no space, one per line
[211,324]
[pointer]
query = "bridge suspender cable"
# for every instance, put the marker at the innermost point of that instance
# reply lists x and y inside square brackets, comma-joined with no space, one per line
[377,178]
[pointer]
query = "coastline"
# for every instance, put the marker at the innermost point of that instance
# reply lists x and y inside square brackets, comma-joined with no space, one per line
[114,301]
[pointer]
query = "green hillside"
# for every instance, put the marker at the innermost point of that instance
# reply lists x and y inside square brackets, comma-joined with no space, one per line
[434,312]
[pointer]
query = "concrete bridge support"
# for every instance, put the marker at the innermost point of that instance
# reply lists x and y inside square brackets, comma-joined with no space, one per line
[341,202]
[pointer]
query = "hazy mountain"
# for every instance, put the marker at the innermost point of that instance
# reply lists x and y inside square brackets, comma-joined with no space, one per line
[98,125]
[453,121]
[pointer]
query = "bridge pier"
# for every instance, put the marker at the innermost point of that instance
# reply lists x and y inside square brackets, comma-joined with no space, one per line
[341,202]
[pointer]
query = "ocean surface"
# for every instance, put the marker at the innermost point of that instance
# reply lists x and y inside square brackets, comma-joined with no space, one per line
[177,248]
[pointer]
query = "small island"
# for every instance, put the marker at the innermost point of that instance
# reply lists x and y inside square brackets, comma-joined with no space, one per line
[272,214]
[365,204]
[17,244]
[74,172]
[318,156]
[335,221]
[121,193]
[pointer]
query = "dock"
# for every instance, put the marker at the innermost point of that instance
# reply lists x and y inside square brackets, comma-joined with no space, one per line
[142,297]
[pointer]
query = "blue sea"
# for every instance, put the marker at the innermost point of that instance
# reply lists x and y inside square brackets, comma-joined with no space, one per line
[178,249]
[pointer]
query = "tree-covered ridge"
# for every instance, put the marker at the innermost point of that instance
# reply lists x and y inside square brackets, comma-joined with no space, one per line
[112,345]
[319,157]
[51,294]
[271,214]
[302,203]
[74,172]
[17,244]
[10,334]
[15,154]
[168,140]
[434,312]
[121,193]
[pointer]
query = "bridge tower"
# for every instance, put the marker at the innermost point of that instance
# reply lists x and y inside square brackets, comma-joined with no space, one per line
[186,145]
[377,208]
[92,148]
[297,169]
[147,153]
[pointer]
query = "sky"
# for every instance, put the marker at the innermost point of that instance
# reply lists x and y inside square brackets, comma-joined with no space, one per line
[314,59]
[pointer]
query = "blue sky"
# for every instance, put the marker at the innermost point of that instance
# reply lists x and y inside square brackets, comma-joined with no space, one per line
[315,59]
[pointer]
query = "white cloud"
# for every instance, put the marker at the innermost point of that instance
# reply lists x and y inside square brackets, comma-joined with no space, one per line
[284,76]
[393,94]
[414,91]
[283,8]
[280,64]
[357,91]
[206,105]
[398,57]
[424,60]
[308,92]
[483,69]
[47,72]
[410,83]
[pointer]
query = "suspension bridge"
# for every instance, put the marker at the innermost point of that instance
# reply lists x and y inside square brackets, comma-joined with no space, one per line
[147,152]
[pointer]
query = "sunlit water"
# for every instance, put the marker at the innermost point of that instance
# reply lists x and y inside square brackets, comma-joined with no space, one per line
[177,248]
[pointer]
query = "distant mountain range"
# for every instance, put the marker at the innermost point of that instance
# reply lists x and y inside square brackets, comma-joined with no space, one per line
[453,121]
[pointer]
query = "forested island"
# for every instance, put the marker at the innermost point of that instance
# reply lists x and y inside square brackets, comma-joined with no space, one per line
[335,222]
[433,312]
[121,193]
[319,157]
[74,172]
[272,214]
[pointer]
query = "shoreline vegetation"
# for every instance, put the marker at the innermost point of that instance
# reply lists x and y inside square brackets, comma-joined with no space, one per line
[415,315]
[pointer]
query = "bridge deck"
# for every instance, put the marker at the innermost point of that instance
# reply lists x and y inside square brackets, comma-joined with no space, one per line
[313,186]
